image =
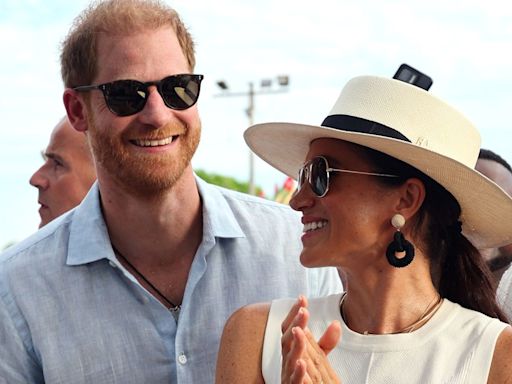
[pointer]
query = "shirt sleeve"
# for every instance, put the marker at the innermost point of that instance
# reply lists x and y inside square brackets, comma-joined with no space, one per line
[17,365]
[323,282]
[504,292]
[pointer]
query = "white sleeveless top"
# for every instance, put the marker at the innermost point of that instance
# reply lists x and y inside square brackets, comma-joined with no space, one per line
[455,346]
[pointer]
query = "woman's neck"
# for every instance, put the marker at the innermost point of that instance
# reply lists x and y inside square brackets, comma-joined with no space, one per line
[390,301]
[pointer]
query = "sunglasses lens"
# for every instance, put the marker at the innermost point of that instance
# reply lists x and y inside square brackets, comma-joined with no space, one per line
[301,179]
[180,91]
[319,177]
[125,97]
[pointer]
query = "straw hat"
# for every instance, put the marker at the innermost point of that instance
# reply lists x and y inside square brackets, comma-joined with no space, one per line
[410,124]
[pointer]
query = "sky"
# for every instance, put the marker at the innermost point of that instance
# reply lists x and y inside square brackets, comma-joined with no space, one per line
[463,45]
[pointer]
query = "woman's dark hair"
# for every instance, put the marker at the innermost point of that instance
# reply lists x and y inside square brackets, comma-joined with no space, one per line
[459,270]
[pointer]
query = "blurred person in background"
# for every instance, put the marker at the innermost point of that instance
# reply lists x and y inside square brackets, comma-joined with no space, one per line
[498,170]
[67,173]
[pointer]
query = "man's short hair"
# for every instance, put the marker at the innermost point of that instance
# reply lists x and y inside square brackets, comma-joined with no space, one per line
[115,17]
[487,154]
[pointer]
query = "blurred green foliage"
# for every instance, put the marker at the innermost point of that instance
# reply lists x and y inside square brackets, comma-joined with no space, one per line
[8,245]
[227,182]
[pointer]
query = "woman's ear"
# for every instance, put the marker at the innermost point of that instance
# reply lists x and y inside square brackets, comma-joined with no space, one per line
[412,195]
[75,109]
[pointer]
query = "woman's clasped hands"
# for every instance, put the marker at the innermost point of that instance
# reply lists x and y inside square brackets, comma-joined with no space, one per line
[305,359]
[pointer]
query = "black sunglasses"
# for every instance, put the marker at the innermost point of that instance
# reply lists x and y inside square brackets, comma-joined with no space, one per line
[316,172]
[128,97]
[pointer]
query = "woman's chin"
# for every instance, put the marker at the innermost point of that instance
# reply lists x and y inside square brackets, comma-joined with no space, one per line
[311,261]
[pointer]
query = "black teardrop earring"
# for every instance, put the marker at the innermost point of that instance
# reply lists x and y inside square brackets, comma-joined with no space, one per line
[399,244]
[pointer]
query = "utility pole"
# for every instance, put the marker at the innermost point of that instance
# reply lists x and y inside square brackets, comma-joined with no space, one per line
[265,88]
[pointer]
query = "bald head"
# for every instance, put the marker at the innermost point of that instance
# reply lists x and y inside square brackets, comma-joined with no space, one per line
[67,173]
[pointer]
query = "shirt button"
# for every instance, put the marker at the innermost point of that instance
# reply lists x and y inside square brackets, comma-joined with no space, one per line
[182,359]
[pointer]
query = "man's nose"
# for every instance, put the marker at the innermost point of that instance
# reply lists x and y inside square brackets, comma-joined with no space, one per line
[39,179]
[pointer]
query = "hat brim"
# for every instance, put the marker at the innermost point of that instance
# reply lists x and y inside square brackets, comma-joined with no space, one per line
[486,209]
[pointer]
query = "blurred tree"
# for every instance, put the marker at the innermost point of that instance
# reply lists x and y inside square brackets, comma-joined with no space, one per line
[8,245]
[227,182]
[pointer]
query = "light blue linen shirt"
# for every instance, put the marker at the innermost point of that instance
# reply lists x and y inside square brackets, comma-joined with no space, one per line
[70,313]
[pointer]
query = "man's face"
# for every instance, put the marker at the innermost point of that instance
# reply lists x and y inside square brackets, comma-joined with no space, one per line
[66,175]
[145,153]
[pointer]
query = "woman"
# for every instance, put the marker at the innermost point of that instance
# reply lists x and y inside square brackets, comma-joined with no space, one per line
[388,195]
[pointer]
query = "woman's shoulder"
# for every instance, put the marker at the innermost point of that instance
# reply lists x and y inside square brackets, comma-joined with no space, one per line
[501,366]
[246,324]
[470,325]
[467,315]
[242,341]
[248,316]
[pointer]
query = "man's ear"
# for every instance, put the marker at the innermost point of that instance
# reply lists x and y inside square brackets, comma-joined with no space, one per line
[412,195]
[75,109]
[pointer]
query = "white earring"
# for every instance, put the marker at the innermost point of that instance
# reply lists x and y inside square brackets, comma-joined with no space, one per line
[398,221]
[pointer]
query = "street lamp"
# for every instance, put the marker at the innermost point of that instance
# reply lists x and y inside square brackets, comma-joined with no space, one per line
[265,88]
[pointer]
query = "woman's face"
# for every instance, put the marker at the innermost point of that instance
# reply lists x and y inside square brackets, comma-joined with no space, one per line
[353,220]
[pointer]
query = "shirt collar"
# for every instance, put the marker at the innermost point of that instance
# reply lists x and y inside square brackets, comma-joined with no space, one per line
[89,240]
[218,217]
[88,234]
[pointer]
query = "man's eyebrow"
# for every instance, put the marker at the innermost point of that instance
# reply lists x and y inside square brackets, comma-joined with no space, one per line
[51,155]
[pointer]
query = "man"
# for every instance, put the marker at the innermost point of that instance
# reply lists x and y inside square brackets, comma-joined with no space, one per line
[67,173]
[136,283]
[498,170]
